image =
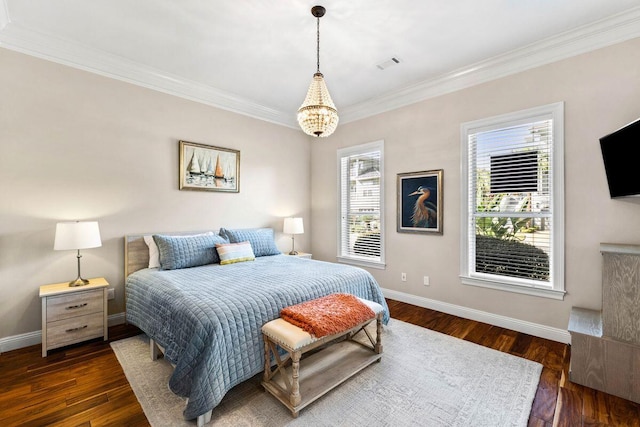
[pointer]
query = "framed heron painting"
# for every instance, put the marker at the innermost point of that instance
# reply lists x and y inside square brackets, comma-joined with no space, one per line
[209,168]
[420,202]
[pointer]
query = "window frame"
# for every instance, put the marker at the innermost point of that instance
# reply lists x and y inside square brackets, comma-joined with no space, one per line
[556,289]
[348,152]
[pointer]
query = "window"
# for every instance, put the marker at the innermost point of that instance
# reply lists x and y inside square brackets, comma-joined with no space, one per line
[512,231]
[361,226]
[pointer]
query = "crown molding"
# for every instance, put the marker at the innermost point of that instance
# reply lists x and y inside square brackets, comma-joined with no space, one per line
[602,33]
[4,14]
[605,32]
[46,46]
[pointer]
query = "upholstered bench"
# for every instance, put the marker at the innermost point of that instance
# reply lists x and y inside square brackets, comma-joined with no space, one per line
[297,383]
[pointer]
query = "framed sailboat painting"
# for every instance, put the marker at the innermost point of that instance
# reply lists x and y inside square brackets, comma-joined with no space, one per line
[208,168]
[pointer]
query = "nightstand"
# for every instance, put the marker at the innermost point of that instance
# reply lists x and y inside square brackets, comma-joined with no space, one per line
[73,314]
[302,255]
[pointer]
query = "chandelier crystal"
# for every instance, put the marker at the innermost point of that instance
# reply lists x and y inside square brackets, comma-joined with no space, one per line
[318,115]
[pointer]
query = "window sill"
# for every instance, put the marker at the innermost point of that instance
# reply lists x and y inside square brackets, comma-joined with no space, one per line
[362,263]
[519,289]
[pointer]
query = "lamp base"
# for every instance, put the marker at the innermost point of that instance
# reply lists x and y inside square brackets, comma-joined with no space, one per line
[79,282]
[293,253]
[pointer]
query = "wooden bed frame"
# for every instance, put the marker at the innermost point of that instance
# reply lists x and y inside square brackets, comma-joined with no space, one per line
[136,254]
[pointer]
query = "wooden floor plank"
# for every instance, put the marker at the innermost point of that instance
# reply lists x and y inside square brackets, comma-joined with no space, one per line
[554,358]
[595,407]
[84,385]
[459,327]
[544,404]
[119,408]
[538,350]
[521,345]
[622,412]
[477,333]
[492,338]
[505,341]
[537,422]
[568,409]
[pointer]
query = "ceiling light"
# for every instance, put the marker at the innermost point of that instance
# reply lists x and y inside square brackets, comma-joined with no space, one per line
[318,115]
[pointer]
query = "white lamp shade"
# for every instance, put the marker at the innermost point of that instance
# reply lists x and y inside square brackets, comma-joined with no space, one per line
[293,226]
[77,235]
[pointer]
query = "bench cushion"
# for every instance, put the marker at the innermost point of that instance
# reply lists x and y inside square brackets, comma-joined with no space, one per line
[282,332]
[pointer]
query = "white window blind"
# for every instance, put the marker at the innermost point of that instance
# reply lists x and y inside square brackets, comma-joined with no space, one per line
[512,198]
[360,239]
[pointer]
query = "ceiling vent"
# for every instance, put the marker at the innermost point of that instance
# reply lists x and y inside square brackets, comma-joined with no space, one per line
[388,63]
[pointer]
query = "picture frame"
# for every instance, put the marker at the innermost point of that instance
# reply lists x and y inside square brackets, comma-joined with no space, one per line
[208,168]
[420,202]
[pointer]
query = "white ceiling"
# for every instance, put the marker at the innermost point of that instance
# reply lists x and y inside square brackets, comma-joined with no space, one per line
[257,57]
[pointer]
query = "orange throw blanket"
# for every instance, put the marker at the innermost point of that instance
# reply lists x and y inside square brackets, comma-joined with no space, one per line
[328,315]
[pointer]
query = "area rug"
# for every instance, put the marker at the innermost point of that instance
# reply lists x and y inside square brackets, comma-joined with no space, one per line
[424,379]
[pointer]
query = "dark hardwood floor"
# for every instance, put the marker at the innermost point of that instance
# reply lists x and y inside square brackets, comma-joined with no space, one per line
[81,385]
[84,385]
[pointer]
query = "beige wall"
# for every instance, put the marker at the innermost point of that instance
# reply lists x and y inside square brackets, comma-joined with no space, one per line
[601,91]
[75,145]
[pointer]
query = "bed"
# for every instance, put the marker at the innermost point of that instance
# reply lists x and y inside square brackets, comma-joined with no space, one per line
[207,318]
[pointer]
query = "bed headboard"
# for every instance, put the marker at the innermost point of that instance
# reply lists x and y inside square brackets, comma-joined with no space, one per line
[136,252]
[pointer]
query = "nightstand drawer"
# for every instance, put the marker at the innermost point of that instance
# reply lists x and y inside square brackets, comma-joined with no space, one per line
[76,329]
[76,304]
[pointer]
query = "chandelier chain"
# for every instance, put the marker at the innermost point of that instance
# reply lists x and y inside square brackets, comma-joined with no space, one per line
[318,42]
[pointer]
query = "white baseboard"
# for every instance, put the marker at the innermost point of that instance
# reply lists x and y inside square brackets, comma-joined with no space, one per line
[116,319]
[19,341]
[535,329]
[33,338]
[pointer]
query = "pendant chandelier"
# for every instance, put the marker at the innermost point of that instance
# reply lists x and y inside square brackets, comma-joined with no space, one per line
[318,115]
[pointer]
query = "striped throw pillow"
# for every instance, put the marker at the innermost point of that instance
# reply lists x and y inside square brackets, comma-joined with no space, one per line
[230,253]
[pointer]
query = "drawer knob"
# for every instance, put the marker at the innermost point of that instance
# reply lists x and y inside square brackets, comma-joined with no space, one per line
[71,307]
[76,329]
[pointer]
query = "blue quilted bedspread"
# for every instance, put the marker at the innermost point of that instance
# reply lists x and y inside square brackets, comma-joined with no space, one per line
[208,318]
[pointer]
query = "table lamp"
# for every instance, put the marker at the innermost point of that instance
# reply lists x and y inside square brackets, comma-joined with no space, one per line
[293,226]
[75,236]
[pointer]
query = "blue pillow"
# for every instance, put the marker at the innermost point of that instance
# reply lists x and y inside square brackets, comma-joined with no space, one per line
[187,251]
[261,239]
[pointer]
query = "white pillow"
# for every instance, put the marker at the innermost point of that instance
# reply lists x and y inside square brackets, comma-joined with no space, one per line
[154,253]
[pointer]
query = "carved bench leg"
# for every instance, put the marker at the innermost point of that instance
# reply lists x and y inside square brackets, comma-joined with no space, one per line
[378,347]
[295,397]
[267,359]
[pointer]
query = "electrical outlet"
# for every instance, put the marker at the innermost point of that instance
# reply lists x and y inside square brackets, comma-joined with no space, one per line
[403,277]
[111,293]
[426,280]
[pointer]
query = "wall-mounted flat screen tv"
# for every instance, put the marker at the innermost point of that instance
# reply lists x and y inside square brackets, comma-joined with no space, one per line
[621,156]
